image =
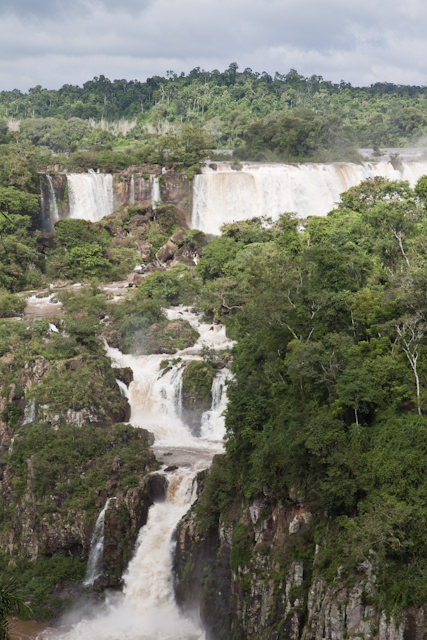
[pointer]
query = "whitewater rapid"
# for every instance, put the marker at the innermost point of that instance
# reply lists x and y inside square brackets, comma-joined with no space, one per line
[146,609]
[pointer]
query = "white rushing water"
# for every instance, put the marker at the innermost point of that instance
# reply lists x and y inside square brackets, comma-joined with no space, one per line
[53,206]
[225,195]
[146,610]
[132,190]
[91,195]
[96,553]
[48,204]
[155,191]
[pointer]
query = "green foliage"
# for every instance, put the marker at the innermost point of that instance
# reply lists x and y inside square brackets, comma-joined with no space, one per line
[19,164]
[329,377]
[197,385]
[298,136]
[217,494]
[83,251]
[14,201]
[37,580]
[241,544]
[20,261]
[285,115]
[139,324]
[71,233]
[70,465]
[11,604]
[177,285]
[10,305]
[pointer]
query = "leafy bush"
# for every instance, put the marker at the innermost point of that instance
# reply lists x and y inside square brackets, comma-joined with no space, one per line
[10,305]
[178,285]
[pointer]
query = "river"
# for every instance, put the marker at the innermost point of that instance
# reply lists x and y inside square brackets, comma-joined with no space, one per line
[146,609]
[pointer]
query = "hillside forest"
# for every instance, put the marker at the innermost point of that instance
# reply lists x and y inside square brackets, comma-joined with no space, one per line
[328,398]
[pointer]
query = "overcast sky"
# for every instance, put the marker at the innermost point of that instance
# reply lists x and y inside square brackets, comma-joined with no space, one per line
[56,42]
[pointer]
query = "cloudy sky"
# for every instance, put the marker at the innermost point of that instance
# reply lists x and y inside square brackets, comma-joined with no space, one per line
[56,42]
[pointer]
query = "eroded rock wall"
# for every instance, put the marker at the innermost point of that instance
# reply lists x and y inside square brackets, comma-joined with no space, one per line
[259,592]
[37,516]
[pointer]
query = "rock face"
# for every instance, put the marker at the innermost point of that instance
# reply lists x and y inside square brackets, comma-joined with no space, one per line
[242,577]
[136,185]
[38,518]
[175,188]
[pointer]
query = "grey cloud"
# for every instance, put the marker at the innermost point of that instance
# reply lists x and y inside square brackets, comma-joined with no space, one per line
[361,41]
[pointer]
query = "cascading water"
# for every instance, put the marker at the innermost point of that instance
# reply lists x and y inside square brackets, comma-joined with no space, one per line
[155,191]
[225,195]
[30,412]
[146,610]
[96,553]
[49,205]
[132,190]
[90,195]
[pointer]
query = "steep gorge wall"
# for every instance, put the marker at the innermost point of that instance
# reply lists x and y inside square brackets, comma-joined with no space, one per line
[38,517]
[92,196]
[256,578]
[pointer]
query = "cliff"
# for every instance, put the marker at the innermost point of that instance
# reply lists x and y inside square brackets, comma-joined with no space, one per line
[258,576]
[91,196]
[65,449]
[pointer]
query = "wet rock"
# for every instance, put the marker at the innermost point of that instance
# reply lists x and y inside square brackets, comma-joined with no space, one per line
[156,487]
[125,374]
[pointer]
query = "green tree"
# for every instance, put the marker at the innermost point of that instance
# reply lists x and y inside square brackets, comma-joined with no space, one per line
[11,604]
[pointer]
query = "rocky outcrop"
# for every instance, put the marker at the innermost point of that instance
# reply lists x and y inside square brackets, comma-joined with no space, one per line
[135,185]
[175,188]
[55,479]
[182,248]
[166,252]
[54,200]
[247,583]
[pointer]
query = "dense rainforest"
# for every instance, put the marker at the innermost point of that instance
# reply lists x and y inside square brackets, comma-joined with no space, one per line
[286,117]
[328,398]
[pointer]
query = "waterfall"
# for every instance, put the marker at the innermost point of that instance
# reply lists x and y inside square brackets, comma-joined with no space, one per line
[146,610]
[90,195]
[227,195]
[49,205]
[123,388]
[96,553]
[11,443]
[29,412]
[155,191]
[213,419]
[53,206]
[132,190]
